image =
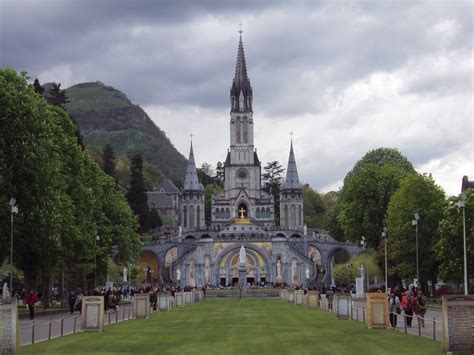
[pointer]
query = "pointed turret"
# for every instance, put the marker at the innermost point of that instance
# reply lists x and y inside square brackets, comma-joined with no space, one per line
[241,90]
[191,183]
[292,181]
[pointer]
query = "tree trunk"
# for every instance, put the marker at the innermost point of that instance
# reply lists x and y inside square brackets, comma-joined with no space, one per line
[46,291]
[30,281]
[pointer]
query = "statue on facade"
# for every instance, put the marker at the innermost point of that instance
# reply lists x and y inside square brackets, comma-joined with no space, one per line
[125,276]
[6,292]
[242,256]
[207,271]
[305,230]
[294,274]
[307,273]
[178,275]
[278,275]
[180,231]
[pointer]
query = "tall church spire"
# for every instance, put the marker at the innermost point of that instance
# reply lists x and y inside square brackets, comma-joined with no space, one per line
[241,90]
[191,183]
[292,181]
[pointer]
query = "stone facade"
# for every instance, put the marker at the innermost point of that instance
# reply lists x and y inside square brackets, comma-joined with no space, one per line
[242,214]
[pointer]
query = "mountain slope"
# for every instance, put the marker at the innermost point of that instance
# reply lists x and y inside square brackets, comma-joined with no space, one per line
[106,116]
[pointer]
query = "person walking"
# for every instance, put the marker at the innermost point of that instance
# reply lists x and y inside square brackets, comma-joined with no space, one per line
[79,300]
[394,308]
[408,305]
[420,307]
[31,301]
[72,301]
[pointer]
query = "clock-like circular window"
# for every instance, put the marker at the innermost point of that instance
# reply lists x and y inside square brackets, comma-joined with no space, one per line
[242,174]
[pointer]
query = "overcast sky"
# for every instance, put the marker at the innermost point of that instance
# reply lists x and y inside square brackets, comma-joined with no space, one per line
[344,76]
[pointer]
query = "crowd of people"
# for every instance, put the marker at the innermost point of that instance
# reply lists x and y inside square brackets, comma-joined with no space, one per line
[410,305]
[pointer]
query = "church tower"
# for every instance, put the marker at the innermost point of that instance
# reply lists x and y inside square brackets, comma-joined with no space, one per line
[291,196]
[192,203]
[242,197]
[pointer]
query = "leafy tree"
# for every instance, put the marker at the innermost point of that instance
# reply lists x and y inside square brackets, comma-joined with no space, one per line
[350,269]
[272,179]
[314,208]
[64,197]
[205,174]
[330,222]
[363,200]
[381,157]
[220,174]
[450,246]
[38,88]
[417,194]
[209,190]
[136,195]
[108,164]
[57,97]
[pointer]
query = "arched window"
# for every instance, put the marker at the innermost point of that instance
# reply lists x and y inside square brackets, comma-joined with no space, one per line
[258,212]
[245,138]
[185,216]
[238,129]
[191,217]
[198,217]
[293,216]
[227,213]
[269,213]
[300,216]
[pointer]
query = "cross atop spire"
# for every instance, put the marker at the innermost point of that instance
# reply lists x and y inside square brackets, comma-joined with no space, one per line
[240,29]
[192,182]
[241,90]
[292,181]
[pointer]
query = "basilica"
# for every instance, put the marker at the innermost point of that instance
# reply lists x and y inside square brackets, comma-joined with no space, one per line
[242,215]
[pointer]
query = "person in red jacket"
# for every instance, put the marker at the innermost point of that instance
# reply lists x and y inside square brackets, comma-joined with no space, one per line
[408,305]
[31,302]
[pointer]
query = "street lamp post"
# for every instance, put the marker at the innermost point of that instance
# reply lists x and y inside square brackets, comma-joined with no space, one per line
[384,234]
[95,262]
[364,245]
[415,223]
[14,210]
[462,204]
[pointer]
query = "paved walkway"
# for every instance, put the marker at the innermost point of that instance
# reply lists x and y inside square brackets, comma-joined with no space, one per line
[359,308]
[70,324]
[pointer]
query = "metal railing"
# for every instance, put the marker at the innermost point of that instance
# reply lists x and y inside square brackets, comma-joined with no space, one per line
[327,305]
[129,312]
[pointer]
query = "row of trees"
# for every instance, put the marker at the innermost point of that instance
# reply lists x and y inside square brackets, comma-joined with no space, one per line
[65,199]
[384,190]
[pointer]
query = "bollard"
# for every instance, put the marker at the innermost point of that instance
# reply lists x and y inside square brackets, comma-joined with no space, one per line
[109,318]
[116,316]
[123,314]
[405,322]
[33,333]
[363,314]
[62,326]
[434,328]
[419,325]
[74,330]
[357,313]
[49,331]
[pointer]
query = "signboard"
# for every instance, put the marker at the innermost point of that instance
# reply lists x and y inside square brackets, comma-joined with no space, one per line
[299,297]
[92,314]
[458,323]
[142,305]
[163,302]
[360,281]
[291,296]
[188,298]
[313,299]
[9,327]
[343,305]
[377,310]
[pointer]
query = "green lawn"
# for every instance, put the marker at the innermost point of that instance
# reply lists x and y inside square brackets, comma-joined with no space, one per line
[233,326]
